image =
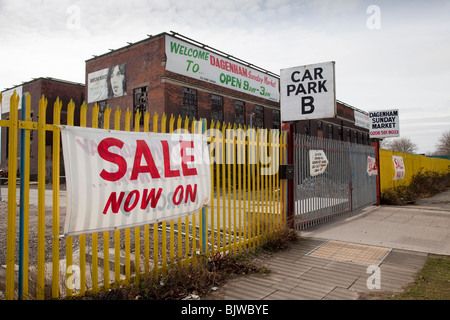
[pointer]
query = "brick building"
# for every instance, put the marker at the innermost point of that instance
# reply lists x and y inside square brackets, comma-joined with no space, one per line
[52,89]
[172,74]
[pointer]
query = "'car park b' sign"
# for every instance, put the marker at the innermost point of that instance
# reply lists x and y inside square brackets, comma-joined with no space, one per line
[308,92]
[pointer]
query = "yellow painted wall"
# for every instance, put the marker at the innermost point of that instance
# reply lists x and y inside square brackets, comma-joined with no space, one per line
[413,164]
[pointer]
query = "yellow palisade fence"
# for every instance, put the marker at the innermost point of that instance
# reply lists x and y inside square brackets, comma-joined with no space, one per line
[245,207]
[413,164]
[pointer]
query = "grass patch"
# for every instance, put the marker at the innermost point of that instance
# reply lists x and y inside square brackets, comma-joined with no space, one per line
[423,184]
[432,283]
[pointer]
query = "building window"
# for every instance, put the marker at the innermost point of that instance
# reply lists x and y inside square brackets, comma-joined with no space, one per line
[140,104]
[259,117]
[276,124]
[189,108]
[239,112]
[356,136]
[102,105]
[307,128]
[216,108]
[330,131]
[349,135]
[340,133]
[319,125]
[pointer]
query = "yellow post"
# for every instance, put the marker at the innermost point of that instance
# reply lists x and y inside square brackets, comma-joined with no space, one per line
[211,159]
[26,197]
[117,232]
[106,116]
[146,227]
[244,187]
[83,122]
[224,196]
[249,188]
[253,173]
[180,245]
[155,225]
[194,229]
[69,240]
[234,191]
[127,230]
[172,222]
[41,200]
[219,152]
[94,236]
[229,145]
[239,177]
[164,223]
[258,189]
[268,185]
[186,219]
[12,182]
[55,223]
[137,232]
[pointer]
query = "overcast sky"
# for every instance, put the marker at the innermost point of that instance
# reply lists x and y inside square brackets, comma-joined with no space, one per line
[388,54]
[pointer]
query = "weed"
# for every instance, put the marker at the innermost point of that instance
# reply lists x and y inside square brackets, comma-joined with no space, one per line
[423,184]
[182,279]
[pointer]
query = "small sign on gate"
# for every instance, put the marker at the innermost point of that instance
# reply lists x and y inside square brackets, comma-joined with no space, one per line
[318,162]
[372,169]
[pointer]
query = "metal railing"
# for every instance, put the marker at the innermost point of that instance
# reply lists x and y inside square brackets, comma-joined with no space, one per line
[246,205]
[342,187]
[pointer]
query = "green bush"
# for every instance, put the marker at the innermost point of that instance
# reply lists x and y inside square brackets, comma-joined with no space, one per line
[423,185]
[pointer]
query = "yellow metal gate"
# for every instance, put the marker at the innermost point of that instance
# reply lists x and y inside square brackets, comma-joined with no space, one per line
[248,202]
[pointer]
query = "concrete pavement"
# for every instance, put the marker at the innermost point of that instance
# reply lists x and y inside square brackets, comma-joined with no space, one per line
[378,250]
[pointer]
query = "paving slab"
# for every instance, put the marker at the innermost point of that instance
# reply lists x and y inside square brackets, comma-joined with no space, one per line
[379,249]
[391,227]
[339,293]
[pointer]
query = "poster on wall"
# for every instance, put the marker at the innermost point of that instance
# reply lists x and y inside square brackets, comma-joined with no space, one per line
[362,119]
[107,83]
[399,168]
[118,179]
[6,97]
[308,92]
[201,64]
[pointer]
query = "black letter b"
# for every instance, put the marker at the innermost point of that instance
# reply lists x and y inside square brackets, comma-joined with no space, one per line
[307,102]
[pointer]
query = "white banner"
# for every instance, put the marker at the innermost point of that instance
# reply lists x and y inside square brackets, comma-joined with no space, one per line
[399,167]
[362,120]
[318,162]
[118,179]
[198,63]
[308,92]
